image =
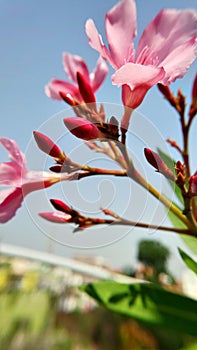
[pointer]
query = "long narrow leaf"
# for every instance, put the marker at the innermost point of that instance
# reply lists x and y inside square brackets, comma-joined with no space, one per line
[148,304]
[190,241]
[192,264]
[171,165]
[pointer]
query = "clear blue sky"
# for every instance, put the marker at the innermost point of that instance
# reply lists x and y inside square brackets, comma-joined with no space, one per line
[33,35]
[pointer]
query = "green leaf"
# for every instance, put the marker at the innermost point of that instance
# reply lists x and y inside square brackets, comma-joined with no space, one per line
[192,264]
[175,220]
[147,303]
[171,164]
[190,241]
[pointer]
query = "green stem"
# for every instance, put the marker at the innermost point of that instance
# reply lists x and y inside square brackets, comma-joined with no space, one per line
[100,171]
[137,177]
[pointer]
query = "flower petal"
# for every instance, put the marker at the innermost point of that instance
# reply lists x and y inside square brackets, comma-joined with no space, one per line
[99,73]
[10,201]
[170,37]
[136,75]
[54,87]
[120,26]
[178,61]
[10,174]
[73,64]
[136,80]
[96,42]
[14,152]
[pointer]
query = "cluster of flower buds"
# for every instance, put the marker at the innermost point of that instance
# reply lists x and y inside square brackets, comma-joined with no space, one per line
[64,214]
[180,172]
[87,130]
[90,121]
[155,160]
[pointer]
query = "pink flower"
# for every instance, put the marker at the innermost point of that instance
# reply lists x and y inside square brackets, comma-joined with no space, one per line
[20,178]
[164,53]
[78,72]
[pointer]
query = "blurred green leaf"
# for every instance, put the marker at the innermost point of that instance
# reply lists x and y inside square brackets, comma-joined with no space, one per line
[26,310]
[175,220]
[147,303]
[171,164]
[192,264]
[190,241]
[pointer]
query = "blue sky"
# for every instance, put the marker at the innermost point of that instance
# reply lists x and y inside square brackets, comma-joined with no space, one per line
[33,36]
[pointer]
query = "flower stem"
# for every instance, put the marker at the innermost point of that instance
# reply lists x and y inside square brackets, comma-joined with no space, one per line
[137,177]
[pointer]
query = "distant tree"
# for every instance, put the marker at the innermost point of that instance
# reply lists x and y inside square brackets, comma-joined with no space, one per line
[155,255]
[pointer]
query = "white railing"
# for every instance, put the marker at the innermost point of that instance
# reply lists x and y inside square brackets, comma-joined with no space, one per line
[97,272]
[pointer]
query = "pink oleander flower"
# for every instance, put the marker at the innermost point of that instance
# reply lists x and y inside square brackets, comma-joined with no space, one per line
[165,50]
[77,71]
[22,181]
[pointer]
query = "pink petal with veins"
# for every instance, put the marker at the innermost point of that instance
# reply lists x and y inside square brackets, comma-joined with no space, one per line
[55,86]
[98,75]
[73,64]
[120,25]
[170,38]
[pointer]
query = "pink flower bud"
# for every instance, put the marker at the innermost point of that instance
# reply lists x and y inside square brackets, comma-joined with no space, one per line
[82,128]
[85,89]
[155,160]
[58,217]
[48,146]
[193,184]
[67,98]
[193,107]
[194,89]
[61,206]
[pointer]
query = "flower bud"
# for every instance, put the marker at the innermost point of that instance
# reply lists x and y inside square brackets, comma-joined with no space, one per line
[155,160]
[61,206]
[82,128]
[85,89]
[67,98]
[193,185]
[58,217]
[193,107]
[48,146]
